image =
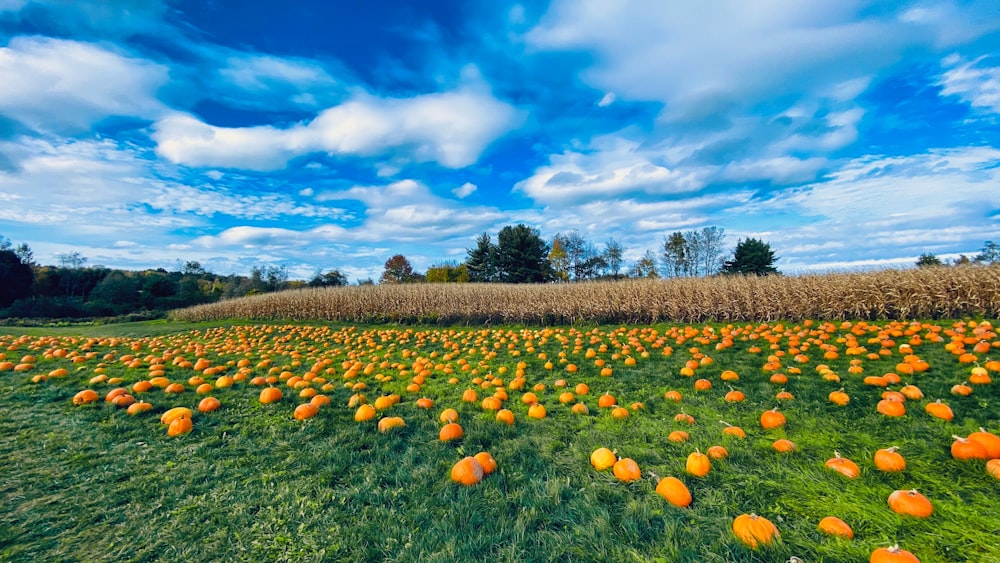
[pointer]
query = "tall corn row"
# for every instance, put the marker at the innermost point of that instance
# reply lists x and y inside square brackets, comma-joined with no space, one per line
[890,294]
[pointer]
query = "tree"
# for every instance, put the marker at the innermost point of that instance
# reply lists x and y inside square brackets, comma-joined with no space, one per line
[711,250]
[193,268]
[927,260]
[25,254]
[397,270]
[646,266]
[612,255]
[989,254]
[559,260]
[448,273]
[17,278]
[332,278]
[751,257]
[583,259]
[481,260]
[522,256]
[675,255]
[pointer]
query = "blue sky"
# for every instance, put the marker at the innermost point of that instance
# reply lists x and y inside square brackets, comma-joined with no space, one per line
[320,135]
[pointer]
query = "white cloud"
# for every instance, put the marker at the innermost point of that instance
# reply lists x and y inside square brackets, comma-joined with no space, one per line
[451,128]
[735,54]
[66,86]
[606,100]
[465,190]
[977,84]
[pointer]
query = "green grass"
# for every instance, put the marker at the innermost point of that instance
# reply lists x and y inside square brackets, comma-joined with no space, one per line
[91,483]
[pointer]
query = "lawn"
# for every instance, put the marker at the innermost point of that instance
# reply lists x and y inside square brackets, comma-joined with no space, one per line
[92,482]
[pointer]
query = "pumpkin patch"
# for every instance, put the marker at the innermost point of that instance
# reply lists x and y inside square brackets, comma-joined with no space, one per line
[386,420]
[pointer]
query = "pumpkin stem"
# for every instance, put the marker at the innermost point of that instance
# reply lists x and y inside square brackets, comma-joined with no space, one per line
[836,454]
[726,423]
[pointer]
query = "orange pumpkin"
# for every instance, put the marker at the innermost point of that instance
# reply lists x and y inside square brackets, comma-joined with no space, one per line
[674,491]
[844,466]
[270,395]
[910,503]
[365,412]
[989,441]
[892,555]
[309,410]
[772,419]
[889,460]
[783,446]
[486,460]
[964,449]
[717,452]
[891,408]
[698,464]
[839,397]
[626,470]
[390,422]
[209,404]
[505,416]
[993,468]
[833,526]
[468,471]
[755,530]
[937,409]
[451,431]
[179,426]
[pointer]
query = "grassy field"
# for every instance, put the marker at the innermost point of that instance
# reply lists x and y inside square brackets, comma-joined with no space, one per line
[91,482]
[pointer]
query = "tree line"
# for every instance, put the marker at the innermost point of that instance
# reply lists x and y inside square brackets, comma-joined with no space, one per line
[518,254]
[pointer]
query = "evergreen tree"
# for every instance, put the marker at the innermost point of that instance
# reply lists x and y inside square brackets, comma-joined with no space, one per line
[927,260]
[522,256]
[752,257]
[481,260]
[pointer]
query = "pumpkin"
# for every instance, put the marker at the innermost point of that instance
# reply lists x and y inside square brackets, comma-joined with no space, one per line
[674,491]
[961,389]
[364,412]
[424,403]
[448,415]
[486,461]
[175,413]
[470,396]
[505,416]
[698,464]
[734,396]
[491,404]
[839,397]
[702,385]
[755,530]
[782,445]
[137,408]
[179,426]
[209,404]
[979,376]
[529,398]
[912,392]
[468,471]
[607,401]
[320,400]
[964,449]
[889,460]
[993,468]
[892,555]
[910,503]
[116,392]
[309,410]
[580,408]
[733,430]
[388,423]
[603,458]
[626,470]
[684,417]
[772,419]
[451,431]
[717,452]
[270,395]
[937,409]
[85,397]
[673,396]
[784,396]
[537,410]
[678,436]
[844,466]
[891,408]
[833,526]
[990,442]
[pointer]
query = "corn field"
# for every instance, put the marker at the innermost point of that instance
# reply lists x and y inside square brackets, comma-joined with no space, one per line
[930,293]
